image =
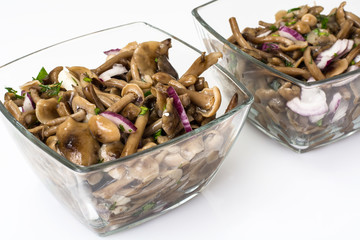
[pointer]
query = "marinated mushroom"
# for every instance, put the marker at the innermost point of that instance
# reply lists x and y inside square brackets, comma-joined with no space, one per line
[76,143]
[119,108]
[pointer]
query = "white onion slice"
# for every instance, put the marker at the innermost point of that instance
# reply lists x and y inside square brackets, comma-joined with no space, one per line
[117,69]
[28,104]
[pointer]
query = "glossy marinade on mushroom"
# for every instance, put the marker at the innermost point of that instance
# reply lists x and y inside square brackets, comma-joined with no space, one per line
[303,42]
[133,101]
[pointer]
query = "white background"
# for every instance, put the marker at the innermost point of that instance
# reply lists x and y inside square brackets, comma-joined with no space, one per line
[262,191]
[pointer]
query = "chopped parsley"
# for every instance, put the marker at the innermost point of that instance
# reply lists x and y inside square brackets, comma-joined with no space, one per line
[59,99]
[97,111]
[122,129]
[112,206]
[41,75]
[323,20]
[352,62]
[147,93]
[293,9]
[157,134]
[143,110]
[288,64]
[87,79]
[290,23]
[11,90]
[51,90]
[275,35]
[156,60]
[273,28]
[319,123]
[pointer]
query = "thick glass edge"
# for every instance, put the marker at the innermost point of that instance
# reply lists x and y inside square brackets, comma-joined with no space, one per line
[197,16]
[83,169]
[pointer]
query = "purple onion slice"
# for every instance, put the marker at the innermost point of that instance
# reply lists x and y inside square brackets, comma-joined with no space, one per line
[290,34]
[180,109]
[122,122]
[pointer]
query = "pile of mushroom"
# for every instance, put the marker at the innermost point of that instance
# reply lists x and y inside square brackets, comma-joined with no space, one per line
[133,101]
[303,42]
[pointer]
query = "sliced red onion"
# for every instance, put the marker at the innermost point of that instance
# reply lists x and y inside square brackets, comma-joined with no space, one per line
[117,69]
[121,121]
[335,102]
[180,109]
[112,51]
[291,34]
[269,47]
[337,50]
[28,104]
[312,102]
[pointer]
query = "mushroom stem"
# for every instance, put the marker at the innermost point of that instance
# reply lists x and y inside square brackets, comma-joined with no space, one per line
[119,105]
[133,141]
[202,63]
[292,71]
[117,58]
[201,100]
[233,102]
[13,109]
[153,128]
[237,34]
[311,65]
[77,116]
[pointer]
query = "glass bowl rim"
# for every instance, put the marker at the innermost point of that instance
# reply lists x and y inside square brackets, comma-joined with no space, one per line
[99,166]
[199,18]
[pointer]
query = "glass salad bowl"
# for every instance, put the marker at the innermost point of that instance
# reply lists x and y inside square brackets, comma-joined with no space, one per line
[302,115]
[122,193]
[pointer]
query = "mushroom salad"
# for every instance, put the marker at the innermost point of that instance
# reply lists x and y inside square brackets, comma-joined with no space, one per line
[133,101]
[309,46]
[303,42]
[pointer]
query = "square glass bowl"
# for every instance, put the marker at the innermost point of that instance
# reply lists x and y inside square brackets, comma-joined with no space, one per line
[269,112]
[123,193]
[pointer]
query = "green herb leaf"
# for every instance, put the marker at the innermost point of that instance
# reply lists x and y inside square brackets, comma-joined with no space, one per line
[59,100]
[122,129]
[97,111]
[288,64]
[51,90]
[156,60]
[352,62]
[157,134]
[147,93]
[112,206]
[319,123]
[273,28]
[323,20]
[87,79]
[143,110]
[41,75]
[290,23]
[11,90]
[293,9]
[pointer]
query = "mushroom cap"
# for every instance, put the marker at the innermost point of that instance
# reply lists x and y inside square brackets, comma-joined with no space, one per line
[110,151]
[135,89]
[144,57]
[46,110]
[76,142]
[215,92]
[81,103]
[103,129]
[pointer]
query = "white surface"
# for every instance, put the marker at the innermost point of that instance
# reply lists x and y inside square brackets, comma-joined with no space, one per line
[262,191]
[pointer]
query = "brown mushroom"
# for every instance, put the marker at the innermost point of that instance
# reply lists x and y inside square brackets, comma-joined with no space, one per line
[104,130]
[133,141]
[76,142]
[110,151]
[202,63]
[130,93]
[46,110]
[337,68]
